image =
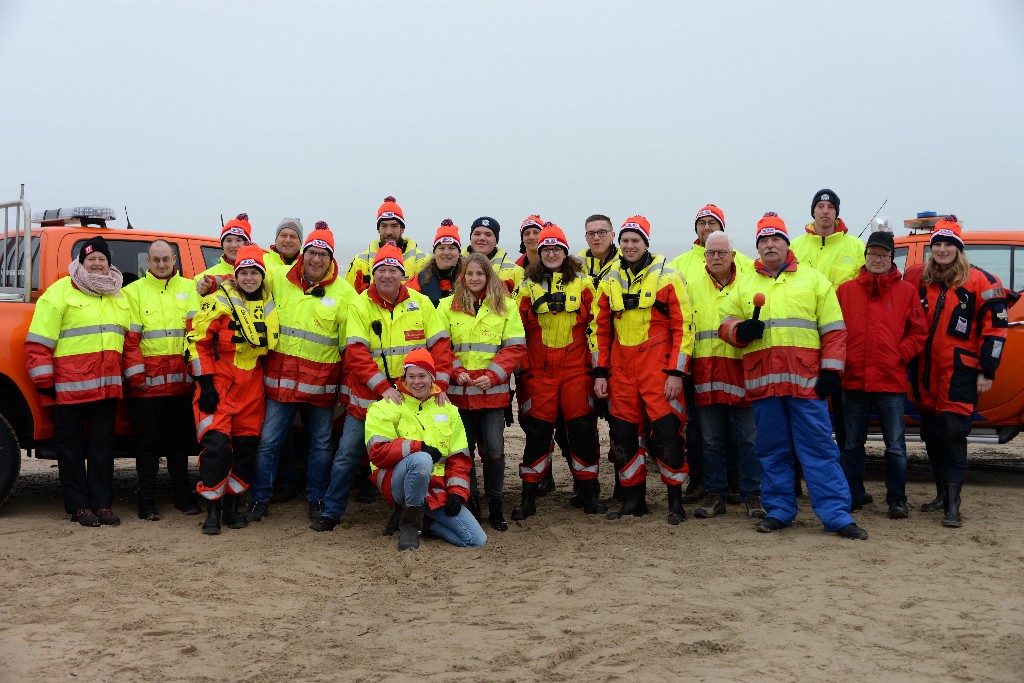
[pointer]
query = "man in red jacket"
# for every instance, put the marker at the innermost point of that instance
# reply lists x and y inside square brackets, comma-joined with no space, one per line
[886,329]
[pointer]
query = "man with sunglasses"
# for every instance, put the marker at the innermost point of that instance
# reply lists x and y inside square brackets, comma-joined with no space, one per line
[304,372]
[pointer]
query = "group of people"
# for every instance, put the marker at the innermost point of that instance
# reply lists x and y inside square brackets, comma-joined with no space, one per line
[721,368]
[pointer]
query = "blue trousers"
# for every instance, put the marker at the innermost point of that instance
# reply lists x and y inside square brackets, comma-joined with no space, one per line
[410,479]
[791,428]
[351,451]
[277,422]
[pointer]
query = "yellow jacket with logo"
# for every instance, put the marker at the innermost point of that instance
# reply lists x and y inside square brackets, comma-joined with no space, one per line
[838,257]
[360,273]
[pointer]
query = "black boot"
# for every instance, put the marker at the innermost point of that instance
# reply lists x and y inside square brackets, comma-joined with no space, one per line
[694,491]
[394,522]
[528,507]
[952,517]
[940,498]
[634,502]
[229,513]
[576,499]
[676,513]
[547,484]
[212,523]
[410,526]
[497,515]
[473,505]
[147,509]
[367,492]
[591,503]
[617,491]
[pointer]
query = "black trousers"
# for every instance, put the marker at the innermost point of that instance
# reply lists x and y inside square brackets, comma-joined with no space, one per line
[164,428]
[84,432]
[945,439]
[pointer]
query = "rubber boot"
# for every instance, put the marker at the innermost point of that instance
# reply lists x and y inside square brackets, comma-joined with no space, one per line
[589,493]
[229,512]
[528,507]
[393,522]
[497,514]
[940,498]
[617,491]
[676,513]
[576,499]
[410,526]
[473,505]
[212,523]
[547,484]
[952,508]
[634,502]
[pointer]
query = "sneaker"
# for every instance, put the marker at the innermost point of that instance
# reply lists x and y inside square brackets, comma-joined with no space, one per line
[754,507]
[324,524]
[768,525]
[256,512]
[854,532]
[899,511]
[108,517]
[85,517]
[316,510]
[712,506]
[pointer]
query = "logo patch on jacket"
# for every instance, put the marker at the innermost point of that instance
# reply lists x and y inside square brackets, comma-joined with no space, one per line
[415,335]
[961,324]
[412,306]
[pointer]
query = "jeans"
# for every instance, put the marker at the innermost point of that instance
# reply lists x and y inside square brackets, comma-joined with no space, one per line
[351,451]
[727,429]
[410,479]
[890,410]
[277,422]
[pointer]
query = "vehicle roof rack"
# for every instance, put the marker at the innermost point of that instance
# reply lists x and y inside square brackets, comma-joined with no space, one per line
[84,215]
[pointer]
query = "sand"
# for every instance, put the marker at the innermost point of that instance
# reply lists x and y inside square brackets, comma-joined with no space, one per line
[559,597]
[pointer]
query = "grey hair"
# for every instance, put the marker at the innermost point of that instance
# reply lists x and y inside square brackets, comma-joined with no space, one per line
[728,240]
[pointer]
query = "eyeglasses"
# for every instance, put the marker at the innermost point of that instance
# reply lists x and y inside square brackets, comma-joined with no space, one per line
[717,254]
[878,257]
[707,223]
[596,233]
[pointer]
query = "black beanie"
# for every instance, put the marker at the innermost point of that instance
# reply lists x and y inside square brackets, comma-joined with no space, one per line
[486,222]
[825,195]
[97,243]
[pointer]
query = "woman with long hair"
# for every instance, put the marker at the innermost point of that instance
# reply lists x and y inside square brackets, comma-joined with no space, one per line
[488,342]
[555,303]
[437,278]
[235,327]
[74,348]
[965,308]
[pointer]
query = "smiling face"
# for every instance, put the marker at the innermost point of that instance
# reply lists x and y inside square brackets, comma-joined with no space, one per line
[475,278]
[96,263]
[599,236]
[315,263]
[632,246]
[390,230]
[388,280]
[772,250]
[552,257]
[446,256]
[704,227]
[161,260]
[944,253]
[418,381]
[483,240]
[249,279]
[530,239]
[232,243]
[287,243]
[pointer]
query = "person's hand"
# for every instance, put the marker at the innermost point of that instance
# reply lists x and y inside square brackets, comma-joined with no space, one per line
[50,391]
[433,452]
[482,382]
[204,285]
[393,395]
[462,378]
[673,385]
[208,396]
[984,384]
[829,383]
[601,387]
[749,330]
[442,399]
[453,505]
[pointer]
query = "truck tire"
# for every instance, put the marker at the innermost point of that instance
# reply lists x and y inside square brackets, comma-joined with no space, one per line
[10,458]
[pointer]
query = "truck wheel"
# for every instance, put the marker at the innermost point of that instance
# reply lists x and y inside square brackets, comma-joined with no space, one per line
[10,458]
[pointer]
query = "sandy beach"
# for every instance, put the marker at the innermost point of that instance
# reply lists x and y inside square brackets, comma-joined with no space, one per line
[559,597]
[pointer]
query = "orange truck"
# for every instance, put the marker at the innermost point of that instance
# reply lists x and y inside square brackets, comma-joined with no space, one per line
[35,253]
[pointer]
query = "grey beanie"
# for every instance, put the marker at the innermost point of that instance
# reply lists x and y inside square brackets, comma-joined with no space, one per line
[293,223]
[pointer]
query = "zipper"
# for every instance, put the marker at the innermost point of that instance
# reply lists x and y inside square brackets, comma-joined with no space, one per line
[925,380]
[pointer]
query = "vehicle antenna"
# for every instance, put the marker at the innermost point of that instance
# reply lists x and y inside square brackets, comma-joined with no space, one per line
[128,219]
[873,217]
[222,220]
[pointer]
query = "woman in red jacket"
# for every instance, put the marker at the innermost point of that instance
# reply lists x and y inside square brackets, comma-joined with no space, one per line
[965,309]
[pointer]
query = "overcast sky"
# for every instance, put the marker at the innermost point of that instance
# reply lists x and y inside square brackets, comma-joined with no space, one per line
[186,110]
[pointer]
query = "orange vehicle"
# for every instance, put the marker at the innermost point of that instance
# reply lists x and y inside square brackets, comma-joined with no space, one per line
[31,259]
[1000,412]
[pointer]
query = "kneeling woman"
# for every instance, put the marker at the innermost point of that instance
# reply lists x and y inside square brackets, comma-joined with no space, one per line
[233,329]
[419,459]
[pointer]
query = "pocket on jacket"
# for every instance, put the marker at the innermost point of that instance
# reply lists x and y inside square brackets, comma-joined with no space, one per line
[963,384]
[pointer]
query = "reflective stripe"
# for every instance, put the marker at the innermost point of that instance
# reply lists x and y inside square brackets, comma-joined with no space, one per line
[267,308]
[442,377]
[40,339]
[577,466]
[308,336]
[513,341]
[196,367]
[406,448]
[989,293]
[204,424]
[464,451]
[719,386]
[680,477]
[681,363]
[41,370]
[831,327]
[275,383]
[129,372]
[475,346]
[790,322]
[378,478]
[161,334]
[706,334]
[393,350]
[498,370]
[376,379]
[214,493]
[832,364]
[135,328]
[765,380]
[457,481]
[524,407]
[639,461]
[361,402]
[349,341]
[997,348]
[540,467]
[614,275]
[678,406]
[443,334]
[91,329]
[375,440]
[470,390]
[109,381]
[236,485]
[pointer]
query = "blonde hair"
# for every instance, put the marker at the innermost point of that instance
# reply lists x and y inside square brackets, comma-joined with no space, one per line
[494,292]
[954,275]
[233,288]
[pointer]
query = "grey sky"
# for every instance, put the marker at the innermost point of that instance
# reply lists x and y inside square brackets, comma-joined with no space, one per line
[186,110]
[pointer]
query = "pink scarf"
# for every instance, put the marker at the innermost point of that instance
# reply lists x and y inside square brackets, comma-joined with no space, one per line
[94,283]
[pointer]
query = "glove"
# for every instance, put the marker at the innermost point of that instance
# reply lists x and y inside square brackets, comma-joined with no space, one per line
[208,396]
[509,416]
[453,505]
[50,391]
[434,454]
[828,383]
[749,330]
